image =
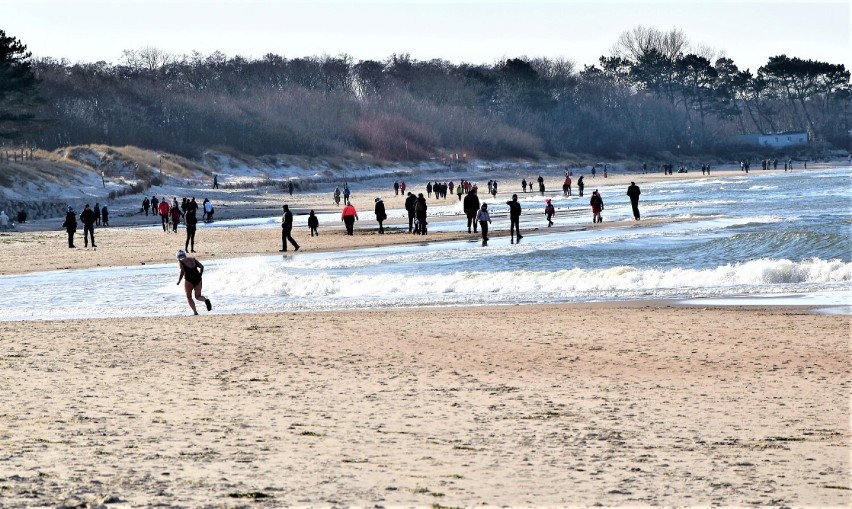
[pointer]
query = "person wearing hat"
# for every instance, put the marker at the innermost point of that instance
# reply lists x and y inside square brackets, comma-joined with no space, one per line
[287,229]
[70,225]
[191,271]
[549,210]
[380,214]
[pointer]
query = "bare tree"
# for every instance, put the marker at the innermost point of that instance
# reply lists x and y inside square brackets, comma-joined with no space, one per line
[641,40]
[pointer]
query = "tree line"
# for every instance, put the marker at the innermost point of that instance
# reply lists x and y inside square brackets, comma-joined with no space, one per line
[654,93]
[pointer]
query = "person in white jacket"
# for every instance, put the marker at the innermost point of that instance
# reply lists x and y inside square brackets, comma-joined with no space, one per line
[4,220]
[484,220]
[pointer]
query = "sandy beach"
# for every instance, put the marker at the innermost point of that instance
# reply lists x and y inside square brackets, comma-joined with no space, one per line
[568,405]
[561,405]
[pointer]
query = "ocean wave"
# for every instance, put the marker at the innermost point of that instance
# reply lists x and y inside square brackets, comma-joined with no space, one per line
[762,275]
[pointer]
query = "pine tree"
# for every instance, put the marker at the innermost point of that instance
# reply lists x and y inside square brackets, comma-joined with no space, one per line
[19,97]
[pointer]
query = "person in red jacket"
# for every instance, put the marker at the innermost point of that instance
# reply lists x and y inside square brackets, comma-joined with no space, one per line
[163,209]
[349,216]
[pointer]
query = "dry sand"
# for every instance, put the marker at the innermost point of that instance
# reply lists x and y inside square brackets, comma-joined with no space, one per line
[563,405]
[553,405]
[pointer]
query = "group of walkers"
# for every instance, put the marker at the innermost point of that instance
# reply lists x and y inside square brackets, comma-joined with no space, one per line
[171,215]
[90,217]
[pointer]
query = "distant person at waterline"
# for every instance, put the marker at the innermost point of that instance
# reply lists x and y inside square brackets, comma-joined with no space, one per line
[549,210]
[515,218]
[287,229]
[191,271]
[4,220]
[471,208]
[313,224]
[349,215]
[484,219]
[420,208]
[597,205]
[633,192]
[380,214]
[410,200]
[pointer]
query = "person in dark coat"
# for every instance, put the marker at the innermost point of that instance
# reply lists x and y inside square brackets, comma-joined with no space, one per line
[409,207]
[191,221]
[87,217]
[580,185]
[420,208]
[633,192]
[597,205]
[97,211]
[471,207]
[514,218]
[70,225]
[105,215]
[287,229]
[313,224]
[146,205]
[380,214]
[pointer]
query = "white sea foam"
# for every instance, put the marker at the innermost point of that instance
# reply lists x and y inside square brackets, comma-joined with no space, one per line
[760,275]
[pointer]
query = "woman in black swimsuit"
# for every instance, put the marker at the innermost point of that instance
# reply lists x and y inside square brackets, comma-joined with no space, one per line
[191,271]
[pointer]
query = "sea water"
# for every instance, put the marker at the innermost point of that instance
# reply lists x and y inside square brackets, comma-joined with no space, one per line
[756,238]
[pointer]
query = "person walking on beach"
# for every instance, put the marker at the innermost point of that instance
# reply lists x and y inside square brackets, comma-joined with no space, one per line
[163,209]
[396,188]
[313,224]
[471,208]
[97,211]
[580,185]
[346,194]
[524,184]
[633,192]
[87,217]
[290,187]
[380,214]
[541,185]
[349,216]
[146,205]
[429,189]
[549,210]
[410,200]
[460,191]
[4,220]
[215,181]
[420,208]
[70,225]
[191,221]
[484,220]
[208,210]
[337,196]
[191,271]
[597,206]
[515,218]
[287,229]
[176,215]
[105,215]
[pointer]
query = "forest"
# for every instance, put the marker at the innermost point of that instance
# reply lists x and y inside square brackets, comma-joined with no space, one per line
[654,93]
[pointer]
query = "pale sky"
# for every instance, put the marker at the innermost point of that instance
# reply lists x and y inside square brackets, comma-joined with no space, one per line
[473,31]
